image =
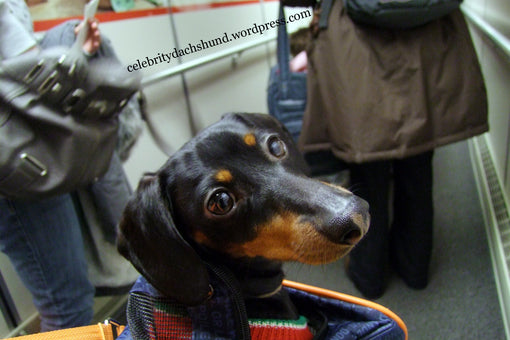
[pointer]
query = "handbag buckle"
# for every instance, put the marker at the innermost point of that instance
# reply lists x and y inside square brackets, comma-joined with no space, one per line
[34,72]
[97,108]
[35,164]
[71,68]
[73,99]
[48,82]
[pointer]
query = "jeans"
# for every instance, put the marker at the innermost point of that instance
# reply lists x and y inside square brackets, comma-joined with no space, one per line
[43,241]
[400,233]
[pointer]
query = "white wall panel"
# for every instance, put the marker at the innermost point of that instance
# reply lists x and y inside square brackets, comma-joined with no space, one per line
[495,12]
[214,89]
[138,39]
[219,87]
[496,71]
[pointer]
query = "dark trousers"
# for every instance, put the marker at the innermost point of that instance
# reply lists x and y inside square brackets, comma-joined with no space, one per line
[406,243]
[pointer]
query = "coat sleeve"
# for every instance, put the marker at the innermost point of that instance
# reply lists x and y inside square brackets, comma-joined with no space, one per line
[15,39]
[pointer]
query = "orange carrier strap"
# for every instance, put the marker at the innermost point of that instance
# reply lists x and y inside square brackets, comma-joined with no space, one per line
[347,298]
[101,331]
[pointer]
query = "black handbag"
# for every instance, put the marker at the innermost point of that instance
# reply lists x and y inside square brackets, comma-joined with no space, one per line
[58,120]
[398,14]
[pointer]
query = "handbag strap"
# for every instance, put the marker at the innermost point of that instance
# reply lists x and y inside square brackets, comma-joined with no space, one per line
[283,53]
[88,13]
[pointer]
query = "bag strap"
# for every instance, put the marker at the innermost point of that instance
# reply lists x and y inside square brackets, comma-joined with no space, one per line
[324,14]
[88,13]
[166,148]
[102,331]
[224,315]
[283,53]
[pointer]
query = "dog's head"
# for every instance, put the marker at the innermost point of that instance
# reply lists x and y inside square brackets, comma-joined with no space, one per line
[238,188]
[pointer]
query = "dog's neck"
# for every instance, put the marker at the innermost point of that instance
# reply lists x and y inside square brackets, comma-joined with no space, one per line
[258,278]
[260,281]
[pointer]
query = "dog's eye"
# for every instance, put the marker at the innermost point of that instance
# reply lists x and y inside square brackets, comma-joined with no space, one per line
[220,203]
[276,147]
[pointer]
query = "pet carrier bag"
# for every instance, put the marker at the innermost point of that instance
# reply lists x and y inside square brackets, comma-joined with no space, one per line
[325,315]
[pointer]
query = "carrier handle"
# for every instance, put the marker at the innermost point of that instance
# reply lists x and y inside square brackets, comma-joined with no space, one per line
[347,298]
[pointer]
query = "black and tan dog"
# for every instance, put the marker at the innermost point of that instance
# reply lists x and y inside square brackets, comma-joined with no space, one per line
[237,192]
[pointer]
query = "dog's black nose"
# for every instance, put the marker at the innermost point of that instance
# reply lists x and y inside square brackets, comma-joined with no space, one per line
[352,235]
[345,230]
[348,224]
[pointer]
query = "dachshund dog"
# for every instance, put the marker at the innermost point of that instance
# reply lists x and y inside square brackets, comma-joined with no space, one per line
[238,193]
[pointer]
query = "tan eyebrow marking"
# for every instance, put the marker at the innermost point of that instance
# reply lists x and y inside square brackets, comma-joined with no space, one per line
[224,176]
[249,139]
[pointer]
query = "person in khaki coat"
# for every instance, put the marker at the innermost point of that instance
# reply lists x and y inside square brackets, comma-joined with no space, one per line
[382,100]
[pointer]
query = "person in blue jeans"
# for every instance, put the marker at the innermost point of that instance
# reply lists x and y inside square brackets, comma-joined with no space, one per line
[44,243]
[42,238]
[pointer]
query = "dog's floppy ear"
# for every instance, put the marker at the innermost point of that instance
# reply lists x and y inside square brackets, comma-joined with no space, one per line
[149,239]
